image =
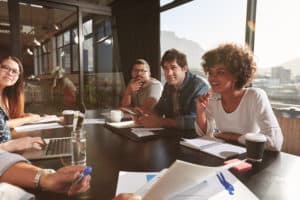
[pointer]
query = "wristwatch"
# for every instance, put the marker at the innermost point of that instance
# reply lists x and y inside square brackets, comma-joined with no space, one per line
[38,175]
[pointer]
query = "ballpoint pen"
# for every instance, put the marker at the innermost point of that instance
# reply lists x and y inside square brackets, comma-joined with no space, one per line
[228,186]
[88,170]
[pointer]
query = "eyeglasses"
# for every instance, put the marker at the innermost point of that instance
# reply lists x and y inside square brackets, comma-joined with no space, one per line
[143,71]
[6,69]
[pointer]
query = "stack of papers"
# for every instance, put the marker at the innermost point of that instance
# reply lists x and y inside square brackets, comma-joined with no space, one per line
[213,147]
[183,181]
[123,124]
[94,121]
[47,119]
[144,132]
[34,127]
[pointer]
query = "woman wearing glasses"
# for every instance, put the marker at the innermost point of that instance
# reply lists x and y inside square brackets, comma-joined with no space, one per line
[12,105]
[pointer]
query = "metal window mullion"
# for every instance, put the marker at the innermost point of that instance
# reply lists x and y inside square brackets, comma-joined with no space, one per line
[250,23]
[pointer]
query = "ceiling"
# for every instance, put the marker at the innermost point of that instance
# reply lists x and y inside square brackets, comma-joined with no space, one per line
[37,22]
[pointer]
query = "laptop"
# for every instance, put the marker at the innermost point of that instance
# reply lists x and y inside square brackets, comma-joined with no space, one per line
[54,148]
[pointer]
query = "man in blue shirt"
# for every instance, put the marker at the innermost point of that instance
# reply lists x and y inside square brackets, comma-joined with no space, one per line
[177,106]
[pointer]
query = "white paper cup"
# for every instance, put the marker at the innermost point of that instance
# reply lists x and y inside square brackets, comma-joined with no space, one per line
[116,115]
[255,144]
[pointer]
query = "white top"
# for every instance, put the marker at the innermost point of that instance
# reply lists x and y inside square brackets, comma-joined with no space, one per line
[253,114]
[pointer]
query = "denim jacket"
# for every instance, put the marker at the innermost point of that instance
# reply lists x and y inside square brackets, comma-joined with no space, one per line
[4,129]
[192,87]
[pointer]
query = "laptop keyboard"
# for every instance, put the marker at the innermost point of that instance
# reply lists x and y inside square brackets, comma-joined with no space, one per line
[58,146]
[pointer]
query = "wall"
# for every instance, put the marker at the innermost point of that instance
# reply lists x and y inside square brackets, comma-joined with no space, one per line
[291,132]
[137,25]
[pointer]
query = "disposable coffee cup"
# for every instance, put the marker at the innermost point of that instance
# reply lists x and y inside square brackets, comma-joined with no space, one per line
[255,145]
[68,117]
[116,115]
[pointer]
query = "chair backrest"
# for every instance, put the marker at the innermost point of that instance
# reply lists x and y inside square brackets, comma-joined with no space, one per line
[291,133]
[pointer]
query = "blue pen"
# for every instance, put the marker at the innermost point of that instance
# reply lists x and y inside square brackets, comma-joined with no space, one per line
[228,186]
[88,170]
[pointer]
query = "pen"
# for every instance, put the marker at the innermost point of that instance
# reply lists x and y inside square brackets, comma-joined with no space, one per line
[228,186]
[88,170]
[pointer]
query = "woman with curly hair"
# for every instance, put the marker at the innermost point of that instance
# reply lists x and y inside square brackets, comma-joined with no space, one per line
[231,108]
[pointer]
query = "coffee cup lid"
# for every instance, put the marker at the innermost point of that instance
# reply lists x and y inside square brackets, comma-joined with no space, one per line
[68,112]
[258,137]
[116,111]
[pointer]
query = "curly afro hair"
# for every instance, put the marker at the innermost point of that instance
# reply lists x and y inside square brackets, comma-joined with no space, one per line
[237,59]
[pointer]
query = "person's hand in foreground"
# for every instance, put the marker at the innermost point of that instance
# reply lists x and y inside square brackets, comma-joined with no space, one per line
[127,197]
[61,181]
[23,174]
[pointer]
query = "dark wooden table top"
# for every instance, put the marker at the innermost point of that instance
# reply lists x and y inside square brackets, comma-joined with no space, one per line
[107,152]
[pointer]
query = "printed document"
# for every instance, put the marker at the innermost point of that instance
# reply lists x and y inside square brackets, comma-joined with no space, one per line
[184,181]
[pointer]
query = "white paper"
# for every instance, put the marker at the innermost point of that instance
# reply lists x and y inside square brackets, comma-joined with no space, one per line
[35,127]
[142,133]
[147,129]
[183,181]
[216,148]
[46,119]
[8,191]
[131,182]
[94,121]
[213,190]
[123,124]
[190,181]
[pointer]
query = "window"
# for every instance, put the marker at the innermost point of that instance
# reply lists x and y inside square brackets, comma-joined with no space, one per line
[75,64]
[277,50]
[64,51]
[104,46]
[200,25]
[88,48]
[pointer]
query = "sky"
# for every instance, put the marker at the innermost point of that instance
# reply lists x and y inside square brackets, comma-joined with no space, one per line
[211,22]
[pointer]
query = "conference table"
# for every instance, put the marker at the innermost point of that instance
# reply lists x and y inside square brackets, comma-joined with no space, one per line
[277,177]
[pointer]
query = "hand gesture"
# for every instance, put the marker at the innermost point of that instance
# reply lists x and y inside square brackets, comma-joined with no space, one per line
[149,120]
[134,86]
[62,180]
[202,102]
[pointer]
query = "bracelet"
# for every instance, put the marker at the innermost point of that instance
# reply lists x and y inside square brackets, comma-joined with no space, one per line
[38,175]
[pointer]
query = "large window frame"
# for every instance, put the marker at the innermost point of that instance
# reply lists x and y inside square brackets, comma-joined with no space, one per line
[249,27]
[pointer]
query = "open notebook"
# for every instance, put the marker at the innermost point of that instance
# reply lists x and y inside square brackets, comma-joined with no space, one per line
[214,147]
[54,148]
